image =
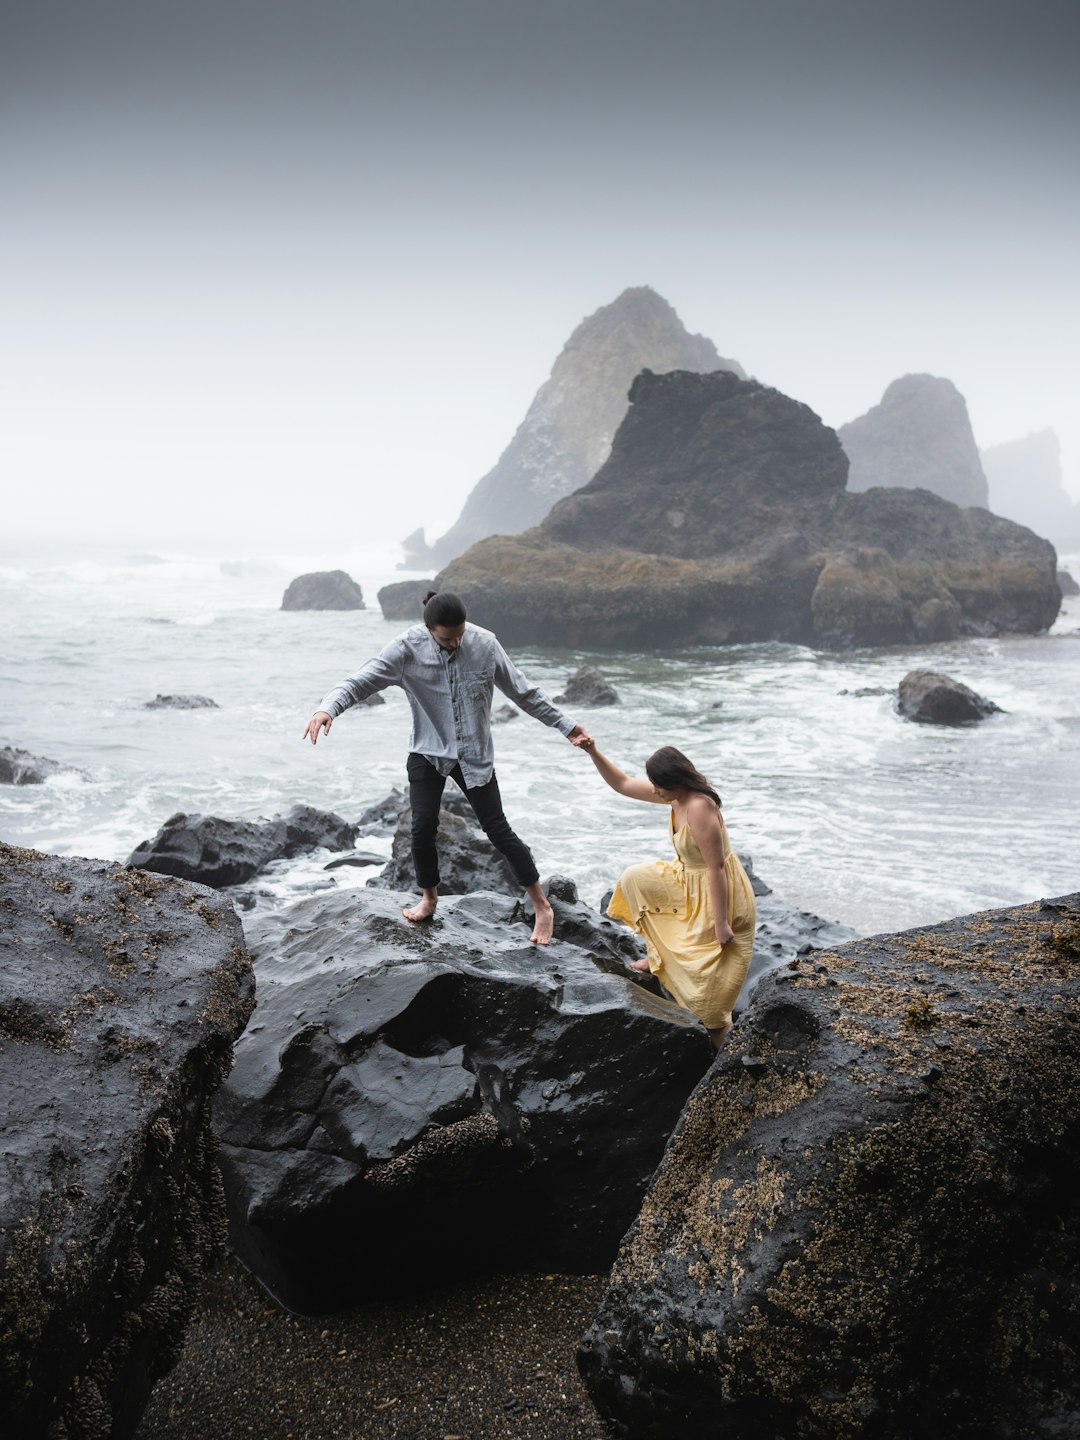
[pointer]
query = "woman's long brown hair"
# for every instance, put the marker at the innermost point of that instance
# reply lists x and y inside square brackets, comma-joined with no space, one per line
[669,769]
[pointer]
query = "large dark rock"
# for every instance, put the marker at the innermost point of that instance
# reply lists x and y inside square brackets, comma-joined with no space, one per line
[722,517]
[867,1223]
[588,686]
[413,1103]
[1027,485]
[120,996]
[467,859]
[218,852]
[323,590]
[403,600]
[19,767]
[566,435]
[920,437]
[934,699]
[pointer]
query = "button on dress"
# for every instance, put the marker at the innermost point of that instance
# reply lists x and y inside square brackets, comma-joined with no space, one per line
[667,901]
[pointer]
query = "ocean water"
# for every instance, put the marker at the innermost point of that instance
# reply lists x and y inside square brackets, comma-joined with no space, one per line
[848,810]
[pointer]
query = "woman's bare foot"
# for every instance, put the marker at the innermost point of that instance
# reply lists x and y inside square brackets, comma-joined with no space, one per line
[424,908]
[642,964]
[718,1037]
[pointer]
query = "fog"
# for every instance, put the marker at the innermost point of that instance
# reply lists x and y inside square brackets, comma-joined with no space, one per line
[276,274]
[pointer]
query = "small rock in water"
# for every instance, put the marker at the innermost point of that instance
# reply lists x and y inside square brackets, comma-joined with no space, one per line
[404,599]
[181,702]
[930,698]
[588,686]
[323,590]
[19,767]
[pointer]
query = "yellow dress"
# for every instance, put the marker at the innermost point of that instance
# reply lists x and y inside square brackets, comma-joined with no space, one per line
[668,902]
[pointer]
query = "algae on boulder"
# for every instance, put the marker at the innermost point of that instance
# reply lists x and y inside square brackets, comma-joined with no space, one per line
[867,1221]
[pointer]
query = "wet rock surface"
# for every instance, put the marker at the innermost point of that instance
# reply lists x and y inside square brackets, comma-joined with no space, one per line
[930,698]
[588,686]
[722,517]
[414,1103]
[218,852]
[865,1225]
[323,590]
[120,996]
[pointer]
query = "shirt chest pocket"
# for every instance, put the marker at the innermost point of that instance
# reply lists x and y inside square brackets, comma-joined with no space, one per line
[478,684]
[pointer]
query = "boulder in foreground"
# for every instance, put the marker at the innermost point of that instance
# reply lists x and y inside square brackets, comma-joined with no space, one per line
[323,590]
[866,1224]
[120,996]
[414,1103]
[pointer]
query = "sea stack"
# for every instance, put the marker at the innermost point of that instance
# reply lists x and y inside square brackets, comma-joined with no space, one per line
[1027,486]
[918,437]
[722,517]
[567,433]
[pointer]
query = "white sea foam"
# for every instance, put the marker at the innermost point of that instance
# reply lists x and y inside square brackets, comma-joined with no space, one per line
[848,810]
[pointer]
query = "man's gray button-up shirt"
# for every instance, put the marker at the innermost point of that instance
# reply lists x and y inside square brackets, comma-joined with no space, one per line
[449,693]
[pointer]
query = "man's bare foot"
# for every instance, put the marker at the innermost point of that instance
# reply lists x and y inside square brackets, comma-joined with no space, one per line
[639,964]
[424,908]
[544,928]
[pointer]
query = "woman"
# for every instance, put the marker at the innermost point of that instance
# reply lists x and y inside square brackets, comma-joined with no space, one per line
[697,913]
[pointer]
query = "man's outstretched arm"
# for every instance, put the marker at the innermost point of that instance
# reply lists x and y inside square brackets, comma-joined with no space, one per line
[380,672]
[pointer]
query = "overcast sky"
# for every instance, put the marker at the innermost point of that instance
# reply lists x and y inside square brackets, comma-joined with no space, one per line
[272,273]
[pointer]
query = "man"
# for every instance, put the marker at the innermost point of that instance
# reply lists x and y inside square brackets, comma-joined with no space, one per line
[448,669]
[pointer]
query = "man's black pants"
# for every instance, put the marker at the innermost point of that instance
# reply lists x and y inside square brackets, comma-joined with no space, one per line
[426,787]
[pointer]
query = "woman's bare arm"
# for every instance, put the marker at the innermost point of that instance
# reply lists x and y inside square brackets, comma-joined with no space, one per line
[707,830]
[625,784]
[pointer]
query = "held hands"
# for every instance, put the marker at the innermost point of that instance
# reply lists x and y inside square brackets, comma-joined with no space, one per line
[580,738]
[319,721]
